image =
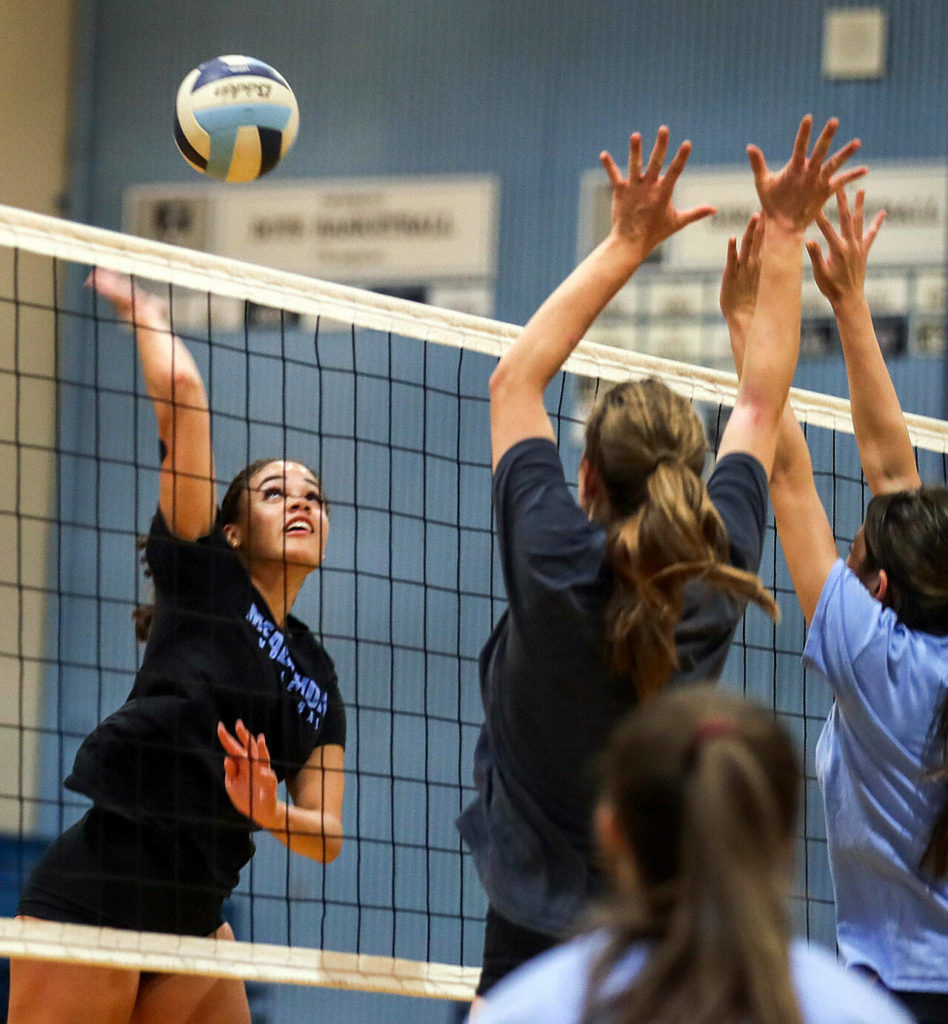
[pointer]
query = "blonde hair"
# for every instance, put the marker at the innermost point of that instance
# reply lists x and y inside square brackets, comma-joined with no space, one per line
[647,448]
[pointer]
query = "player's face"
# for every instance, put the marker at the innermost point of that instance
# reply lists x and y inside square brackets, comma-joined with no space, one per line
[288,519]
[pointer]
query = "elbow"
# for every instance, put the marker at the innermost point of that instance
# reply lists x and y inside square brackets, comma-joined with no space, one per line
[332,847]
[186,387]
[500,381]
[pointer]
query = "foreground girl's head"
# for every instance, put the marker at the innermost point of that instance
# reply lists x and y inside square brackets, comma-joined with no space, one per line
[697,817]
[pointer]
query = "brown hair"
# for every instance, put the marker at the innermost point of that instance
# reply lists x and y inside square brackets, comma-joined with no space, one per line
[906,534]
[704,788]
[648,447]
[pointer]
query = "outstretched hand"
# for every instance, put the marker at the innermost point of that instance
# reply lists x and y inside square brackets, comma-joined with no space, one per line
[795,194]
[642,208]
[741,275]
[250,781]
[842,271]
[134,305]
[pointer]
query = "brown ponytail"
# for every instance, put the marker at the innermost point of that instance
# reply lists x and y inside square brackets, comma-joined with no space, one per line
[648,448]
[704,788]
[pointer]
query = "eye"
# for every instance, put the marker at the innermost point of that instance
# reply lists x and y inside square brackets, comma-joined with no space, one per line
[316,498]
[272,492]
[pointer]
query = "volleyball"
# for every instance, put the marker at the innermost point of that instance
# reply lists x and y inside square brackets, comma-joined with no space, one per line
[235,118]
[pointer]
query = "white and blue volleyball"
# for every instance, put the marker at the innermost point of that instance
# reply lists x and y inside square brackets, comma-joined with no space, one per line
[235,119]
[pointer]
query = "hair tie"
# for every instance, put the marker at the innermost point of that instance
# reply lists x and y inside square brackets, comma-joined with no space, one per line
[712,728]
[661,461]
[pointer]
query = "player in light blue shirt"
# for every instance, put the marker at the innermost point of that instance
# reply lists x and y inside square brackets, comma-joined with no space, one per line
[696,823]
[879,635]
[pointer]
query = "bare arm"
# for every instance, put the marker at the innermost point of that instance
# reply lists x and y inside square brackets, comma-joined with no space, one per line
[885,449]
[312,824]
[188,493]
[642,216]
[805,533]
[790,199]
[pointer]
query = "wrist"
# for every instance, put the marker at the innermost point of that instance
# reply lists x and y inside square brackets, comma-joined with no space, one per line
[276,819]
[629,251]
[850,304]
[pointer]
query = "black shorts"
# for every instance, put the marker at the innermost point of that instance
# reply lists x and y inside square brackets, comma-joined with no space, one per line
[109,870]
[506,947]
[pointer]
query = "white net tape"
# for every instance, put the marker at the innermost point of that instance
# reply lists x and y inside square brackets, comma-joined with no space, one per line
[297,294]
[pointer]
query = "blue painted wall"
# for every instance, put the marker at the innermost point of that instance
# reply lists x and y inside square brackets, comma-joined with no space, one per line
[529,91]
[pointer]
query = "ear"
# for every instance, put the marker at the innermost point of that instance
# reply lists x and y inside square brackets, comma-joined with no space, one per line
[590,486]
[608,833]
[232,533]
[880,588]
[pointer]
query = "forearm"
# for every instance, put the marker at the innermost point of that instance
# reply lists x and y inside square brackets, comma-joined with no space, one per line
[885,448]
[802,526]
[773,340]
[309,832]
[562,320]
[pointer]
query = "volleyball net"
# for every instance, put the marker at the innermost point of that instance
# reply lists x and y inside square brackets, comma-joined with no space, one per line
[387,400]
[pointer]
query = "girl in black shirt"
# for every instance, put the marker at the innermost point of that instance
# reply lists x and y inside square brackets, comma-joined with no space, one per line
[602,605]
[233,696]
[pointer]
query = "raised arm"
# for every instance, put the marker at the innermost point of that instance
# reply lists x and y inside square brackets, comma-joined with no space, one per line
[804,529]
[790,199]
[885,449]
[642,216]
[312,824]
[188,492]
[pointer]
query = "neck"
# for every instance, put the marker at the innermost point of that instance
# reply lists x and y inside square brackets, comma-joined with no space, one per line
[279,585]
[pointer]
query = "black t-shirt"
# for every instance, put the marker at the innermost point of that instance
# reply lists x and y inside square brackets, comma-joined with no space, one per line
[214,654]
[550,698]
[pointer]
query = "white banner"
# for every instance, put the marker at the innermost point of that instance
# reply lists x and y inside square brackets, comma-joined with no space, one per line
[376,232]
[913,195]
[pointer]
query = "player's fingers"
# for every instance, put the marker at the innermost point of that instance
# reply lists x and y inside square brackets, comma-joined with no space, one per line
[659,150]
[757,162]
[845,177]
[678,164]
[826,227]
[874,229]
[802,142]
[747,240]
[841,156]
[615,178]
[635,155]
[687,217]
[822,144]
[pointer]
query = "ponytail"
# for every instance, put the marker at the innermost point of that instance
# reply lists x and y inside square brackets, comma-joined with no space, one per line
[704,788]
[674,536]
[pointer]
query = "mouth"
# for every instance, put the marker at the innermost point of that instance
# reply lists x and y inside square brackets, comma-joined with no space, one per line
[298,526]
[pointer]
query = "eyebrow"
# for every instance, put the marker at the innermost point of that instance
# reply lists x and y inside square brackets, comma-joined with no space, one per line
[282,479]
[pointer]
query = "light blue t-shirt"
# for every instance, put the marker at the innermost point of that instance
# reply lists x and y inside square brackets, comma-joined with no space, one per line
[875,747]
[552,988]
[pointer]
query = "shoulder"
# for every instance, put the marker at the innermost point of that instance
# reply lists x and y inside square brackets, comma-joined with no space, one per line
[829,993]
[738,473]
[534,456]
[738,490]
[549,989]
[847,617]
[161,536]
